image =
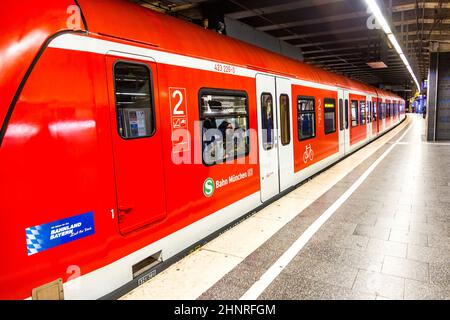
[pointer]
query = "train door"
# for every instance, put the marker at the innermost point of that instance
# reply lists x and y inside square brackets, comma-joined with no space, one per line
[136,138]
[344,127]
[374,116]
[285,133]
[382,118]
[369,116]
[267,136]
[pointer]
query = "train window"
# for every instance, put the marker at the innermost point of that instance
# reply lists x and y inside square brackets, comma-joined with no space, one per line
[346,113]
[369,111]
[134,100]
[354,113]
[285,120]
[267,120]
[224,125]
[362,114]
[374,112]
[341,115]
[306,116]
[330,115]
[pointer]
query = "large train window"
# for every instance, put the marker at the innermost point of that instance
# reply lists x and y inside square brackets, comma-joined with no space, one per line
[267,121]
[285,120]
[341,115]
[134,100]
[354,113]
[362,106]
[306,116]
[224,125]
[330,115]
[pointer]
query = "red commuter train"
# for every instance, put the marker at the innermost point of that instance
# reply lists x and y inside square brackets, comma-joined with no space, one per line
[128,137]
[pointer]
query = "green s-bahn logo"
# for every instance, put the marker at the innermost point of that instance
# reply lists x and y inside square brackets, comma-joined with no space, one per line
[208,187]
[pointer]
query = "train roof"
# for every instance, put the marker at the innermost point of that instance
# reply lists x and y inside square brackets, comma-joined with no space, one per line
[24,33]
[125,20]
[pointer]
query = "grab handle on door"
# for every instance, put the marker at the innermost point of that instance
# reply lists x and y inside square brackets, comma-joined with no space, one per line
[125,208]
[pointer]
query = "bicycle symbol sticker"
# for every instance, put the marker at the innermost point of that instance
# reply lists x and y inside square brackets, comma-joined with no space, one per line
[308,155]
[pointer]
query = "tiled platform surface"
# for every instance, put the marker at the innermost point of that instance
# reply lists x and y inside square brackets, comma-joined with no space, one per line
[389,240]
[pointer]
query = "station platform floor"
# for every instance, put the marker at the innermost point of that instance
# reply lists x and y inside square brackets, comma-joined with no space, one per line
[374,226]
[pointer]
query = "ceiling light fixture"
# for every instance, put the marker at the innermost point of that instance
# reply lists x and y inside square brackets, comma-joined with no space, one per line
[375,9]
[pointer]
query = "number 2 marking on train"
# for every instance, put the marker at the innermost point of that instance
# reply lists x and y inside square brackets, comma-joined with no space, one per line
[178,101]
[176,112]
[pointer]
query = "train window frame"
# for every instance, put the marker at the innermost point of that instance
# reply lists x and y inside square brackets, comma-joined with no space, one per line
[224,92]
[355,120]
[347,114]
[325,101]
[362,117]
[288,112]
[265,144]
[374,111]
[299,112]
[152,99]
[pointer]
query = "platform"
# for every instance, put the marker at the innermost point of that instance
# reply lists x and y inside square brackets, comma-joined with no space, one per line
[374,226]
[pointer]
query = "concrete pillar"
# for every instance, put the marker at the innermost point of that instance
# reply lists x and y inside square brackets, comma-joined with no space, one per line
[438,97]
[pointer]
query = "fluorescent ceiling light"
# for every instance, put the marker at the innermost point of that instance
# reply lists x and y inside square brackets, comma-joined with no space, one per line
[375,9]
[395,43]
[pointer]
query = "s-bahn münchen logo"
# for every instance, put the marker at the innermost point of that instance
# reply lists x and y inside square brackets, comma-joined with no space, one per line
[208,187]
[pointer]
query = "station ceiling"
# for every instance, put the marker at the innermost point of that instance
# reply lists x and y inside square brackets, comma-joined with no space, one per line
[334,34]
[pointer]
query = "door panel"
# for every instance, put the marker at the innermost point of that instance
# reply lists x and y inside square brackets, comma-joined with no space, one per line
[344,126]
[134,102]
[285,133]
[267,136]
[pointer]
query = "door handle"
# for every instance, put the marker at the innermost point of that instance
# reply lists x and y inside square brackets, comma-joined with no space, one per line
[125,208]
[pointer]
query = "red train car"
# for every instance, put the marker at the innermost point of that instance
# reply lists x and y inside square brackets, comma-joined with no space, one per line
[129,137]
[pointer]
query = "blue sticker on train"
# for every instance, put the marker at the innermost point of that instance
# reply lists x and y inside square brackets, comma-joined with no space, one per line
[49,235]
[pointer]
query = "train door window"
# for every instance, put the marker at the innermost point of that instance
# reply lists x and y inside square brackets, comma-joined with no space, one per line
[224,125]
[369,111]
[267,121]
[346,113]
[362,106]
[374,112]
[285,120]
[306,116]
[341,115]
[330,115]
[354,113]
[134,100]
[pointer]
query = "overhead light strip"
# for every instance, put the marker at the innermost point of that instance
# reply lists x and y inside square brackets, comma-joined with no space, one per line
[375,9]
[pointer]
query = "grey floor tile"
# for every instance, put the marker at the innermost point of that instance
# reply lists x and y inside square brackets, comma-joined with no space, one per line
[372,232]
[405,268]
[439,241]
[387,248]
[440,274]
[416,238]
[380,284]
[287,287]
[324,271]
[362,260]
[418,290]
[428,254]
[352,242]
[439,229]
[392,223]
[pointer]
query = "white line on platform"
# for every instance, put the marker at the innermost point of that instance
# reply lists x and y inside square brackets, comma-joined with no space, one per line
[274,271]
